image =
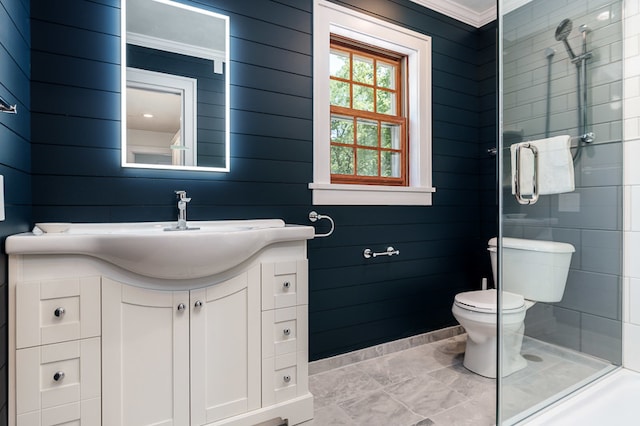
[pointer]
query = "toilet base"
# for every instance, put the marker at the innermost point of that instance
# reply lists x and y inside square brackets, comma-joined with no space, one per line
[482,351]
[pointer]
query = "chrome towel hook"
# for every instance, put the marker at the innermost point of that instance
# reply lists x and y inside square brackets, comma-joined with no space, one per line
[314,216]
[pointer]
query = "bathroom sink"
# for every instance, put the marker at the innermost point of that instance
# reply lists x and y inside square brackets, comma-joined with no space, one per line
[146,248]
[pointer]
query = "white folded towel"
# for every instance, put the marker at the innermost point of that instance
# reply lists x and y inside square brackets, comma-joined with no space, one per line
[555,174]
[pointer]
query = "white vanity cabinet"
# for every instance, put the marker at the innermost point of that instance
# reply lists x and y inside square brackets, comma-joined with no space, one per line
[93,344]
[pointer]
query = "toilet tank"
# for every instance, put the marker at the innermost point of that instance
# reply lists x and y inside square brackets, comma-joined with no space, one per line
[534,269]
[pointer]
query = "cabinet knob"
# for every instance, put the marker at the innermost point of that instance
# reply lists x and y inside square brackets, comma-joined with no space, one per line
[198,304]
[181,307]
[286,284]
[287,378]
[59,375]
[286,331]
[59,312]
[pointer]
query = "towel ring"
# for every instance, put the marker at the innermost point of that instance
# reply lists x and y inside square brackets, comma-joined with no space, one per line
[7,107]
[314,216]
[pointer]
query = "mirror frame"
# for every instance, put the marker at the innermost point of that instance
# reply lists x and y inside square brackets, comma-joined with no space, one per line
[123,92]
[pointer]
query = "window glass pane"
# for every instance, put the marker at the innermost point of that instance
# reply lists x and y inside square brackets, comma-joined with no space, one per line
[386,75]
[367,162]
[362,97]
[341,160]
[390,166]
[363,70]
[367,133]
[386,102]
[341,129]
[339,64]
[390,136]
[367,138]
[339,95]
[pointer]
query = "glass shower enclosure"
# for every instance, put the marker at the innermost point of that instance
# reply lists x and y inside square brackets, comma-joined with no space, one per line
[561,180]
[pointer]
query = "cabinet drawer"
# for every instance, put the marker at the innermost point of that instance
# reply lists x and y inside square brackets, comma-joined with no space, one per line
[55,375]
[284,284]
[57,311]
[284,331]
[284,377]
[78,413]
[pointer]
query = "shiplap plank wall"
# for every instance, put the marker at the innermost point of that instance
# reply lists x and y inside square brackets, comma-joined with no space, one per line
[353,302]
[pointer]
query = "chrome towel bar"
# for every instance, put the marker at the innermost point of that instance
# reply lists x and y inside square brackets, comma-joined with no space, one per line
[528,198]
[314,216]
[368,253]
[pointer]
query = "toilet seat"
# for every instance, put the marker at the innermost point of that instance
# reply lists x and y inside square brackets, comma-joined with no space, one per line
[486,301]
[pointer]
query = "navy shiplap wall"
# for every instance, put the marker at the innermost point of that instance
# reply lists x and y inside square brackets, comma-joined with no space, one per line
[353,302]
[15,151]
[487,91]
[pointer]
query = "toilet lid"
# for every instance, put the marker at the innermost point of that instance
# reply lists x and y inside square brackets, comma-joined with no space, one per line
[486,301]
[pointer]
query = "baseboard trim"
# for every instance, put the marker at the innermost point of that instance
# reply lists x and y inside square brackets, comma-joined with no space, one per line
[382,349]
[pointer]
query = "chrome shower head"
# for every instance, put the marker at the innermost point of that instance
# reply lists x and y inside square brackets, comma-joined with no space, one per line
[564,29]
[562,33]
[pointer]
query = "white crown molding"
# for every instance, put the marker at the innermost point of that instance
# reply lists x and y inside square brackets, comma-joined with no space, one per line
[461,13]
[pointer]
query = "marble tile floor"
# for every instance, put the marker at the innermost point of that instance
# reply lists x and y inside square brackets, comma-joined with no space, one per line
[427,385]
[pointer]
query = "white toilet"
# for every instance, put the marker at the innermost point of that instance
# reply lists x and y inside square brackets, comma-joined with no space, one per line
[532,271]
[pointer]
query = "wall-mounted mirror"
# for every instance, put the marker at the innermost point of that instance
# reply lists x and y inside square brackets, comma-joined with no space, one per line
[175,86]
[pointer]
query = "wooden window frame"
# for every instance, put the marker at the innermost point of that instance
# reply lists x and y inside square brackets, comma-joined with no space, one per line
[357,49]
[329,19]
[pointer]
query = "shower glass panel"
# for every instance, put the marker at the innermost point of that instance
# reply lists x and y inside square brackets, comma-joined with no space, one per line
[561,103]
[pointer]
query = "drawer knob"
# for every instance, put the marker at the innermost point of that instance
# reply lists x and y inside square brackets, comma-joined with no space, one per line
[286,284]
[59,312]
[286,331]
[287,378]
[181,307]
[198,304]
[59,375]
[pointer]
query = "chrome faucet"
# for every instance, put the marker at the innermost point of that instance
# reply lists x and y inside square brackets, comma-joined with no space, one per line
[182,209]
[182,213]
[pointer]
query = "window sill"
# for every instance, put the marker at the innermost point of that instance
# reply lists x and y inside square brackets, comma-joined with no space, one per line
[370,195]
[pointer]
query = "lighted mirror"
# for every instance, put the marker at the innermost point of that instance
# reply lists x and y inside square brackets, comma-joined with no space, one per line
[175,86]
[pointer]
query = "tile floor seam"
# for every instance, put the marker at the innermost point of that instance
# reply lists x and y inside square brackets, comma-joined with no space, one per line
[407,407]
[369,393]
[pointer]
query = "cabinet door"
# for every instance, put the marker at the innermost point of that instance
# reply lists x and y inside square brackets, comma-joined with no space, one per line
[225,348]
[145,356]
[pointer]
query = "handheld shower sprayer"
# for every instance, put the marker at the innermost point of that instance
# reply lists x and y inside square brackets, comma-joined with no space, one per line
[562,33]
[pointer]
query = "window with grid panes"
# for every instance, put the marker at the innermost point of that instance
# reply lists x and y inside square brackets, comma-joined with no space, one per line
[368,137]
[372,110]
